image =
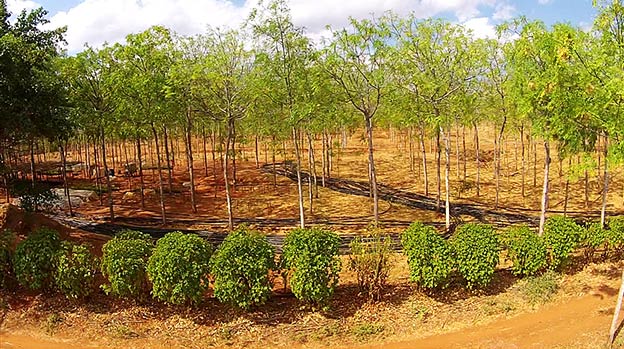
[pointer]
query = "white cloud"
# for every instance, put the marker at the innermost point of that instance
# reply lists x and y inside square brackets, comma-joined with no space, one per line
[503,12]
[481,27]
[544,2]
[99,21]
[15,7]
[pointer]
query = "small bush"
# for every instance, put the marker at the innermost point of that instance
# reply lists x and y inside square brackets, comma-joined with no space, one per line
[34,198]
[75,270]
[541,289]
[124,264]
[526,250]
[179,268]
[561,235]
[429,256]
[370,260]
[615,236]
[476,252]
[7,241]
[241,269]
[311,256]
[34,256]
[592,239]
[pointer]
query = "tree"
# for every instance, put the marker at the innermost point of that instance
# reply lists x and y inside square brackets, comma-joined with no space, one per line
[356,60]
[438,59]
[285,53]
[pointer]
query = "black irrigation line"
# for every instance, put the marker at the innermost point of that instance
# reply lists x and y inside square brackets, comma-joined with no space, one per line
[479,212]
[410,199]
[215,238]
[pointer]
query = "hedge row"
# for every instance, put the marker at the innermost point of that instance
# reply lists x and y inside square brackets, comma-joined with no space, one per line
[181,268]
[474,251]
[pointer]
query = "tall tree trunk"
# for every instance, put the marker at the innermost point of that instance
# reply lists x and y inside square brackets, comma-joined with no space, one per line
[411,148]
[478,158]
[567,189]
[299,186]
[310,167]
[605,187]
[160,177]
[108,181]
[273,146]
[169,181]
[234,181]
[586,189]
[206,152]
[522,174]
[189,156]
[424,160]
[547,161]
[141,179]
[464,151]
[447,170]
[313,165]
[32,164]
[371,161]
[457,152]
[228,196]
[534,164]
[438,171]
[64,172]
[257,154]
[498,160]
[98,185]
[323,159]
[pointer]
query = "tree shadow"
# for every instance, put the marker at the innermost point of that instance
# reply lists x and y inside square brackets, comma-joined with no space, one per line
[502,280]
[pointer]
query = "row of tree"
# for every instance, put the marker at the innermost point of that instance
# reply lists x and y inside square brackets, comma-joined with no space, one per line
[268,81]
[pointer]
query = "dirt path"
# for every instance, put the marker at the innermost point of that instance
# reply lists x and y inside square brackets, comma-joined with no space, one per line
[579,323]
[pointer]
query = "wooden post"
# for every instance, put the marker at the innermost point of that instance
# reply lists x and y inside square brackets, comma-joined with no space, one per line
[616,313]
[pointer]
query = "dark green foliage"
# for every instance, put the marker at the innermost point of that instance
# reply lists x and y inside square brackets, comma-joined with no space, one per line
[526,250]
[33,262]
[124,264]
[593,238]
[476,253]
[75,270]
[429,256]
[34,198]
[179,267]
[615,236]
[561,235]
[7,242]
[128,234]
[241,268]
[370,260]
[311,257]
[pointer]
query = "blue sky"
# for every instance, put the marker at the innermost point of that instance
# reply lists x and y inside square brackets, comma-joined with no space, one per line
[97,21]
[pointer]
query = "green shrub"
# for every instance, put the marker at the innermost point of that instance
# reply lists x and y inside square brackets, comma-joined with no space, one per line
[34,256]
[7,241]
[179,267]
[34,198]
[476,253]
[241,267]
[429,256]
[128,234]
[124,264]
[526,250]
[370,260]
[615,236]
[561,235]
[311,257]
[75,270]
[541,289]
[593,238]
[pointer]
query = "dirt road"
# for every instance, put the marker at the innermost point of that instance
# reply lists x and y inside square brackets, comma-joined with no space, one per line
[579,323]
